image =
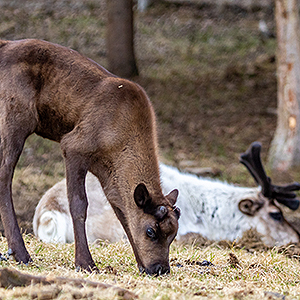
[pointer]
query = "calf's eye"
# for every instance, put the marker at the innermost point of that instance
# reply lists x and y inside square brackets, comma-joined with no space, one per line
[151,233]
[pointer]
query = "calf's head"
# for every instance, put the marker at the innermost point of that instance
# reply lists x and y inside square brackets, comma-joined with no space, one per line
[151,229]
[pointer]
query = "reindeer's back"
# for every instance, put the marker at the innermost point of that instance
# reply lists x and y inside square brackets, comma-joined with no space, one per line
[208,206]
[56,83]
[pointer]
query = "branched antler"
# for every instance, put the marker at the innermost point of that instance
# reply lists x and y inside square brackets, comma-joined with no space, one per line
[283,194]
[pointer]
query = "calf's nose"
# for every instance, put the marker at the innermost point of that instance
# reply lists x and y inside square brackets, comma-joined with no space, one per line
[158,269]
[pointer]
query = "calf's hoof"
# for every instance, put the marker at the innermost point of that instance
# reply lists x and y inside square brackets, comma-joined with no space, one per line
[20,256]
[88,267]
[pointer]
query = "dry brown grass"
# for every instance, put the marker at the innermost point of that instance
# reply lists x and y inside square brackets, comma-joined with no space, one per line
[235,274]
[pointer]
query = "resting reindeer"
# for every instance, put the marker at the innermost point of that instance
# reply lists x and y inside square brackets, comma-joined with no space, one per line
[214,209]
[105,125]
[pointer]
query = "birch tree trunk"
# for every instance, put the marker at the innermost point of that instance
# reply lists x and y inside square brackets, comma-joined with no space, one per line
[285,148]
[143,5]
[119,39]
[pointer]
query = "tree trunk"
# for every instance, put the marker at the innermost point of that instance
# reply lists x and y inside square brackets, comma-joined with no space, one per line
[119,39]
[142,5]
[285,148]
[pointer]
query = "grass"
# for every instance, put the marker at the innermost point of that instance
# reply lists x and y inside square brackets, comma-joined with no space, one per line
[254,275]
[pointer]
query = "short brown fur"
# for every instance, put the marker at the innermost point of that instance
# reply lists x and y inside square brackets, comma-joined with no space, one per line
[104,124]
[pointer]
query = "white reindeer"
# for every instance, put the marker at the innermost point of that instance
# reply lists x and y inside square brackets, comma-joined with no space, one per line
[214,209]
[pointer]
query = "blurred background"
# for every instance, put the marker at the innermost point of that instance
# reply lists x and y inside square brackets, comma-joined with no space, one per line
[209,68]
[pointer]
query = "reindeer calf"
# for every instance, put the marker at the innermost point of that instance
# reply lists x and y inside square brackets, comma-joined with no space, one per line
[105,125]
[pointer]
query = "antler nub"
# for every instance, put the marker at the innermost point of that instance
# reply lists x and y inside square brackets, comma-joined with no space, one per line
[283,194]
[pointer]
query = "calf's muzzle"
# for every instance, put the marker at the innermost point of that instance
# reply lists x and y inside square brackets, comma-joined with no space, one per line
[156,269]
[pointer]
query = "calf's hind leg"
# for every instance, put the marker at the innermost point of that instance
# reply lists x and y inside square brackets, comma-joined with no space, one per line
[11,146]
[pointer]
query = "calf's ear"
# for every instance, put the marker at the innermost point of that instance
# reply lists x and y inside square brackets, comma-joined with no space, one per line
[172,197]
[141,196]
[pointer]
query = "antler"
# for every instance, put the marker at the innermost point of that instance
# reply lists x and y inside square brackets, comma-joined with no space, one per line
[283,194]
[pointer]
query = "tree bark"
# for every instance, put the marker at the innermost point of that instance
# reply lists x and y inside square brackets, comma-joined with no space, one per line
[142,5]
[120,35]
[285,148]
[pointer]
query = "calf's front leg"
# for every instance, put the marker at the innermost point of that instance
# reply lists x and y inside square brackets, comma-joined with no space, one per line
[10,150]
[76,169]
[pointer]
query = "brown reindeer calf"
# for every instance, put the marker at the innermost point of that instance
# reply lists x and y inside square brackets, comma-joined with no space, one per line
[105,125]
